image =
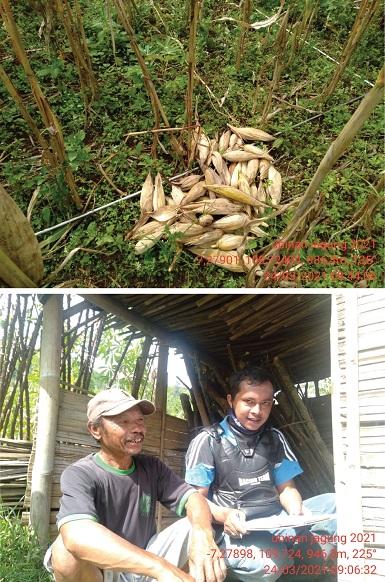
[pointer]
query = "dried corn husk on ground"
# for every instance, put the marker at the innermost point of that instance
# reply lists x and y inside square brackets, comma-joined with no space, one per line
[19,245]
[217,212]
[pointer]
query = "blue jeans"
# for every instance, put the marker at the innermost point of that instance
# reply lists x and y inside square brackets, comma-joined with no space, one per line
[257,556]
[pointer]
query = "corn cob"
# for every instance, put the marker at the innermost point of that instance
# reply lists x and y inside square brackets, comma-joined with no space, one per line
[196,192]
[274,188]
[259,152]
[251,134]
[206,219]
[264,166]
[188,182]
[158,197]
[252,170]
[176,194]
[231,223]
[224,141]
[148,241]
[164,213]
[229,242]
[207,238]
[232,193]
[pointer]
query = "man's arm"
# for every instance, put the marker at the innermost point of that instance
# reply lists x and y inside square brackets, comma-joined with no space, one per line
[92,542]
[233,519]
[206,563]
[290,498]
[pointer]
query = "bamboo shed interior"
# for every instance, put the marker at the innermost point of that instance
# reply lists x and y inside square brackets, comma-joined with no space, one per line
[216,334]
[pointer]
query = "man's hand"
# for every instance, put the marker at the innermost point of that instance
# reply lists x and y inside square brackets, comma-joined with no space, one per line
[205,560]
[170,573]
[235,523]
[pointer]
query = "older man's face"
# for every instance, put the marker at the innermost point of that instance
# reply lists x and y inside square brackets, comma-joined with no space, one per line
[122,434]
[252,404]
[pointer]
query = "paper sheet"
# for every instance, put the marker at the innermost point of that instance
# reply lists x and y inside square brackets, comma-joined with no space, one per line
[279,521]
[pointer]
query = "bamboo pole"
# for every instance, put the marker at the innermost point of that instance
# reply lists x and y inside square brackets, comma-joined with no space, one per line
[48,408]
[311,429]
[140,366]
[196,390]
[367,10]
[50,120]
[161,405]
[334,152]
[157,107]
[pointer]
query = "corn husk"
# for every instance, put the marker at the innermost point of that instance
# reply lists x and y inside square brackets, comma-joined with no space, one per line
[235,175]
[170,202]
[224,141]
[211,177]
[251,133]
[229,242]
[233,141]
[241,155]
[203,149]
[264,166]
[259,152]
[231,223]
[207,238]
[159,199]
[232,193]
[255,229]
[164,213]
[146,230]
[274,188]
[186,228]
[188,182]
[227,259]
[239,142]
[206,219]
[146,195]
[18,241]
[196,192]
[148,241]
[252,170]
[177,194]
[243,184]
[216,207]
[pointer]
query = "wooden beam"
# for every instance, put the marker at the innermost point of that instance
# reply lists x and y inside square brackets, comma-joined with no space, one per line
[131,317]
[48,408]
[196,390]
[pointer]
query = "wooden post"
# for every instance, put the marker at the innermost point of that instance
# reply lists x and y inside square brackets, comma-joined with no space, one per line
[48,408]
[196,390]
[140,366]
[161,404]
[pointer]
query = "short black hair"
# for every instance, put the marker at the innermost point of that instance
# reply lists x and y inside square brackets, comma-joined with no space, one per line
[254,375]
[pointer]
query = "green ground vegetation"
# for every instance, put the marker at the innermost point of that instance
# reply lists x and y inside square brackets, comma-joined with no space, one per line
[97,252]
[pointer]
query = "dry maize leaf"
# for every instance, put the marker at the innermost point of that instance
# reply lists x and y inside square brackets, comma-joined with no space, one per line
[274,188]
[233,141]
[206,219]
[255,229]
[177,194]
[252,170]
[226,259]
[264,166]
[188,217]
[211,177]
[216,207]
[235,175]
[145,230]
[244,167]
[231,223]
[214,145]
[239,155]
[259,152]
[251,134]
[164,213]
[170,202]
[229,242]
[224,141]
[159,199]
[218,162]
[17,239]
[232,193]
[206,238]
[188,182]
[146,195]
[196,192]
[148,241]
[186,228]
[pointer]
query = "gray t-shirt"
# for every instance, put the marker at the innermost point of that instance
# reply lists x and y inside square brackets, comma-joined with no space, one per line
[122,501]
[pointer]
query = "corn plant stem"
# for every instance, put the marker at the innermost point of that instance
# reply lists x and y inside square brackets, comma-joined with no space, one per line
[191,63]
[337,148]
[50,120]
[365,14]
[245,27]
[25,114]
[157,107]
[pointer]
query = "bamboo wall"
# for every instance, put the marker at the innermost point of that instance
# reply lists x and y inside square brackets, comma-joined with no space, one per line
[358,331]
[14,458]
[74,442]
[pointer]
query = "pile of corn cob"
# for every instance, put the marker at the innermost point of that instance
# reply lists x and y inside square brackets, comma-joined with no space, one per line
[216,213]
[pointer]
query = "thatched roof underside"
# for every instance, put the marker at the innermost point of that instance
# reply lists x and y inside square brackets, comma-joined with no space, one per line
[252,328]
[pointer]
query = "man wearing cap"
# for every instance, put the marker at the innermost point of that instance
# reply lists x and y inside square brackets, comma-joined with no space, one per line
[106,519]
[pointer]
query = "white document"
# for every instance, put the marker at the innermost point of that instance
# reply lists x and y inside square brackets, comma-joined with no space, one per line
[279,521]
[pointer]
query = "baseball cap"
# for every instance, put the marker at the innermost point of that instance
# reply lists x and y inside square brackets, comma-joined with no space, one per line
[114,401]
